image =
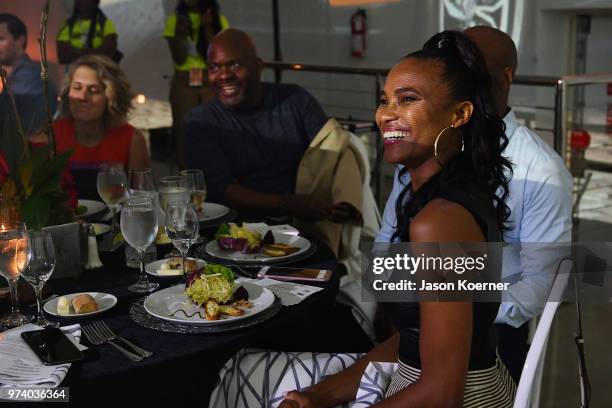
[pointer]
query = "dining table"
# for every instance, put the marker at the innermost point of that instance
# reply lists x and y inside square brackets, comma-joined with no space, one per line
[184,367]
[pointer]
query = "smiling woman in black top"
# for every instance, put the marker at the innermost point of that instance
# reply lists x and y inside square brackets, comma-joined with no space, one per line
[438,120]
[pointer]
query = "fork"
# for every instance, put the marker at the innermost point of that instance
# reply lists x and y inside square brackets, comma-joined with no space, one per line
[96,338]
[104,329]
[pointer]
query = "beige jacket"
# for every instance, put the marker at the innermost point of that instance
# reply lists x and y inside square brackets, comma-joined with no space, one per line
[332,170]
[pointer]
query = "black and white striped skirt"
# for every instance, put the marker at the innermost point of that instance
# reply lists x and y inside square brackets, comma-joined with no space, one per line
[491,387]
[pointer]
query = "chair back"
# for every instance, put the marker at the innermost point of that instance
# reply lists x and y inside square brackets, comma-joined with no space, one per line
[531,377]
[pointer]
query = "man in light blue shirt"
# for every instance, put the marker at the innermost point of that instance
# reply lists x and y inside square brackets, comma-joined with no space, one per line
[540,200]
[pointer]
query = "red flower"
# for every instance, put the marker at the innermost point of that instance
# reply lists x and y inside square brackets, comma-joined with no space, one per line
[68,184]
[4,168]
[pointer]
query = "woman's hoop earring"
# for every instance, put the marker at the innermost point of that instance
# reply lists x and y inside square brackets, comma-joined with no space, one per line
[438,139]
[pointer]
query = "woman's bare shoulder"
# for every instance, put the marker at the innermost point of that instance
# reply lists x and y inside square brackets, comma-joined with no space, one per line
[444,221]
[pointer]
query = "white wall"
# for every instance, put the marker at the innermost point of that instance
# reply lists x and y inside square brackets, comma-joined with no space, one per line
[313,31]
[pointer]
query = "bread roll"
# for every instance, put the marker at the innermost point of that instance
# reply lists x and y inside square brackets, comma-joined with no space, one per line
[177,264]
[63,306]
[84,304]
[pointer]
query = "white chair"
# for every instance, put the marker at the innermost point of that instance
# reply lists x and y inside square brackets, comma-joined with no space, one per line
[528,391]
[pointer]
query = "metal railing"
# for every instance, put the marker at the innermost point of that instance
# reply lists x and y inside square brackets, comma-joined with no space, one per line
[561,86]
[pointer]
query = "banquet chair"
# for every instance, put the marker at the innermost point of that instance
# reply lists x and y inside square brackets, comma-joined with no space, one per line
[528,390]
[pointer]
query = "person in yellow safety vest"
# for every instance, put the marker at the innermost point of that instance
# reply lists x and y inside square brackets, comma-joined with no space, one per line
[87,31]
[189,31]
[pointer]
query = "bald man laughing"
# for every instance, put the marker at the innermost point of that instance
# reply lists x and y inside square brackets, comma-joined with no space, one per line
[249,139]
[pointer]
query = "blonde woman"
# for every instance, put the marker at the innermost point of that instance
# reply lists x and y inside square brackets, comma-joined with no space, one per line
[95,100]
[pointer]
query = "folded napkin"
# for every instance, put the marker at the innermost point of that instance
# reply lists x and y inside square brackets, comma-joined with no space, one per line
[20,367]
[289,293]
[374,383]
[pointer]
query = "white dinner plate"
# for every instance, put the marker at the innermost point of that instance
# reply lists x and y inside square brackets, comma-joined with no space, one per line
[101,229]
[168,303]
[154,267]
[105,301]
[93,207]
[212,212]
[213,249]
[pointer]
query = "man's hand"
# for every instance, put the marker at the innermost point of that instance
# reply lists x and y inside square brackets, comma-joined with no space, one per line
[308,207]
[343,212]
[295,399]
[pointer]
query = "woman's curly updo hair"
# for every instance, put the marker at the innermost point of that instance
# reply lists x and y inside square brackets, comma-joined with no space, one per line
[116,88]
[480,168]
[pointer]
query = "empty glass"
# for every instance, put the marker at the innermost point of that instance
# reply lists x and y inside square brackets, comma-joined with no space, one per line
[113,189]
[139,228]
[14,258]
[182,226]
[38,272]
[194,182]
[141,183]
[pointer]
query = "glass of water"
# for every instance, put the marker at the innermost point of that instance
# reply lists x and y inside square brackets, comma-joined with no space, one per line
[182,226]
[194,182]
[139,228]
[172,189]
[38,272]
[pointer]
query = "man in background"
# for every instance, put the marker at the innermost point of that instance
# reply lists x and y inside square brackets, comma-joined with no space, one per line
[23,75]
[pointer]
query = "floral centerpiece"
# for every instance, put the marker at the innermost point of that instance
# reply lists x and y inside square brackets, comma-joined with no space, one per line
[33,180]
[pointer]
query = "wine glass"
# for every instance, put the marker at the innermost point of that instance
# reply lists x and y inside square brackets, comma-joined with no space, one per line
[194,181]
[139,228]
[113,189]
[141,182]
[172,189]
[38,272]
[182,226]
[14,258]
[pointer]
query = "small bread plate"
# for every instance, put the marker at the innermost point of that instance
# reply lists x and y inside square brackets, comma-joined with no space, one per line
[259,258]
[155,268]
[93,207]
[172,304]
[212,212]
[105,301]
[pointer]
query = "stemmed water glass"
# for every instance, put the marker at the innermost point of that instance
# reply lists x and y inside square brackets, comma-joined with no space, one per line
[113,189]
[141,183]
[182,226]
[14,258]
[194,182]
[38,272]
[172,189]
[139,228]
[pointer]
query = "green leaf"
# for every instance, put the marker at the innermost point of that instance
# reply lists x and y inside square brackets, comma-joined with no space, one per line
[223,230]
[35,211]
[31,170]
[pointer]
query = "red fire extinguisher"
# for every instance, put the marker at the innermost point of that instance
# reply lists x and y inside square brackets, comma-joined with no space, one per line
[358,33]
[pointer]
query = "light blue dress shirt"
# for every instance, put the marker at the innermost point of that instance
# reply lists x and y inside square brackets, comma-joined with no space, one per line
[540,201]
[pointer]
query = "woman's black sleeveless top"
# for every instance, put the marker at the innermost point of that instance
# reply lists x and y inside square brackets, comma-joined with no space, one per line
[405,316]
